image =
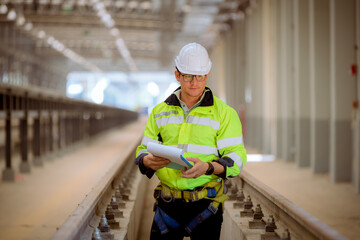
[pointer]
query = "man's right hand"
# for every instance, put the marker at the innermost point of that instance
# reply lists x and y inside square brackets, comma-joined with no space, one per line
[155,163]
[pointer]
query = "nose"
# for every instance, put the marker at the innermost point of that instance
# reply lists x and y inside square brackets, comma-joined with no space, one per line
[193,79]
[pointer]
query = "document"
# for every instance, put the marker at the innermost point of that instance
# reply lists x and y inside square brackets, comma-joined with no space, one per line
[175,155]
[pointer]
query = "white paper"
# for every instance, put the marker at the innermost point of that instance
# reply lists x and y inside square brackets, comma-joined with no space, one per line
[171,153]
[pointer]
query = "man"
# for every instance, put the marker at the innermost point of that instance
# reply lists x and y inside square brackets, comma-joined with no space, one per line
[189,202]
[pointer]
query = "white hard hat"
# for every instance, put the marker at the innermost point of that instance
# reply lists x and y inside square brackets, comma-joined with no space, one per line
[193,59]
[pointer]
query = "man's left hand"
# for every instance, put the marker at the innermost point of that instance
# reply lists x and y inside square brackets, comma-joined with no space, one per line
[197,170]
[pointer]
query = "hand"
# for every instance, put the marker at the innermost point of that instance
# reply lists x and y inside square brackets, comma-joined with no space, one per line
[154,162]
[197,170]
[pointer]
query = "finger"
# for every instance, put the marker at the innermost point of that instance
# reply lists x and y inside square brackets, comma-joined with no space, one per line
[194,160]
[161,163]
[158,164]
[155,158]
[191,173]
[186,175]
[160,160]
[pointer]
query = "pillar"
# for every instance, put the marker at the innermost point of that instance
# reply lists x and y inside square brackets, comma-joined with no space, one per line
[24,164]
[319,85]
[302,83]
[257,79]
[342,88]
[268,79]
[278,67]
[356,130]
[249,83]
[240,73]
[37,131]
[287,80]
[8,173]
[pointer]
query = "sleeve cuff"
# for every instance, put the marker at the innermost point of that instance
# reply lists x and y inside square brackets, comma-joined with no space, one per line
[225,162]
[144,170]
[222,175]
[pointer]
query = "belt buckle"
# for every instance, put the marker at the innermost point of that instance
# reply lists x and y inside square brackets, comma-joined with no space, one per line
[193,196]
[212,208]
[166,199]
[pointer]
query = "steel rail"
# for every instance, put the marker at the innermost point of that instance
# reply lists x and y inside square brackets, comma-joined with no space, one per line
[86,216]
[301,224]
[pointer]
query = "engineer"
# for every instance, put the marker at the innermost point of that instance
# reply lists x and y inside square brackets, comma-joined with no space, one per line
[189,202]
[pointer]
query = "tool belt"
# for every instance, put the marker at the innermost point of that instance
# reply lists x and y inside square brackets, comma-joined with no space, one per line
[212,190]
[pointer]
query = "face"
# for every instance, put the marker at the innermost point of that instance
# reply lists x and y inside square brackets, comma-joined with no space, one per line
[193,88]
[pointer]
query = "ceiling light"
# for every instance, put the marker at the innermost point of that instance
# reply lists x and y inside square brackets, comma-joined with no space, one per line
[20,20]
[28,26]
[108,21]
[114,32]
[3,9]
[41,34]
[99,5]
[50,40]
[11,15]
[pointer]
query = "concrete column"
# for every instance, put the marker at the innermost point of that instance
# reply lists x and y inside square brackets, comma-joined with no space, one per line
[273,52]
[342,88]
[268,85]
[356,128]
[257,68]
[287,80]
[24,165]
[278,67]
[240,73]
[230,64]
[319,85]
[250,107]
[302,83]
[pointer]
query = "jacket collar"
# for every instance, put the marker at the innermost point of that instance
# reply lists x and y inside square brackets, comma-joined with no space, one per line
[207,101]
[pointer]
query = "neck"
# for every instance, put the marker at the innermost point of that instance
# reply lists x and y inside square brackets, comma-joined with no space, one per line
[189,100]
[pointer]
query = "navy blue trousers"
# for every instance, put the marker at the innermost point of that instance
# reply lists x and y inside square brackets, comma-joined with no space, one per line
[183,212]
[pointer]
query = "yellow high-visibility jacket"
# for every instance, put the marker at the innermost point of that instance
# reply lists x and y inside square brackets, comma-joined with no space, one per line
[211,132]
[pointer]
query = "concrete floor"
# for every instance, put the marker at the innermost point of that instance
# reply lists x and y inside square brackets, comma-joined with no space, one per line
[36,204]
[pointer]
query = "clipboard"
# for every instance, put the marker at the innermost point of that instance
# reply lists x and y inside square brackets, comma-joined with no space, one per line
[175,155]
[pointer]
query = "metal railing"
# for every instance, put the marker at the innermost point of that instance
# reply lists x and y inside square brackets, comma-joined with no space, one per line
[36,123]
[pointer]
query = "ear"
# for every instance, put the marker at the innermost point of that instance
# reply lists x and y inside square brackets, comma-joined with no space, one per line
[177,75]
[207,76]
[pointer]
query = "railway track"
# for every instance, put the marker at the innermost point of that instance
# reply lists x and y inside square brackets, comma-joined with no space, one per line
[254,211]
[112,209]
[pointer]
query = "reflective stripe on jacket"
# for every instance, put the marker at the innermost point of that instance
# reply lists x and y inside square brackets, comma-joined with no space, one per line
[211,131]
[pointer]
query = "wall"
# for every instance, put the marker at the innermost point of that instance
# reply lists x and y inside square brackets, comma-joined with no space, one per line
[287,65]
